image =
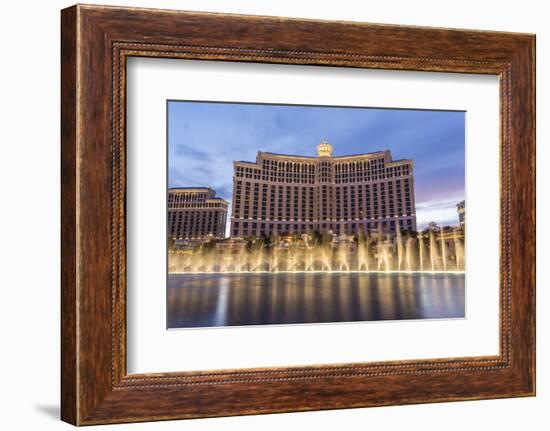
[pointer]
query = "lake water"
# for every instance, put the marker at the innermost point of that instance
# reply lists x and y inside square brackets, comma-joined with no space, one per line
[206,300]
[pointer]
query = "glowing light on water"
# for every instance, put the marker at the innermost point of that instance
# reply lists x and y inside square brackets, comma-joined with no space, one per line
[383,253]
[321,272]
[254,298]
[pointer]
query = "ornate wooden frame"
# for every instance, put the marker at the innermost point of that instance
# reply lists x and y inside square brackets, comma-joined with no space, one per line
[95,42]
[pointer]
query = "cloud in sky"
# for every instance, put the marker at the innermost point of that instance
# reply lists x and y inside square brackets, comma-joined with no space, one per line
[444,212]
[204,138]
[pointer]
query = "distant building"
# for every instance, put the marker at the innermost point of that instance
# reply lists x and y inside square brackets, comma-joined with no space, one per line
[196,212]
[461,208]
[432,226]
[291,194]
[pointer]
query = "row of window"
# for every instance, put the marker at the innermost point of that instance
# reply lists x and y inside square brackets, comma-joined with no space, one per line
[196,223]
[325,177]
[286,202]
[305,172]
[183,197]
[189,205]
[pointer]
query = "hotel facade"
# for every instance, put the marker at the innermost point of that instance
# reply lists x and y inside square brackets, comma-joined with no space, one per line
[195,213]
[290,194]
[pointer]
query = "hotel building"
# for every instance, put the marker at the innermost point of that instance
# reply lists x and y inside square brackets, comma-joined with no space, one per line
[461,209]
[196,212]
[289,194]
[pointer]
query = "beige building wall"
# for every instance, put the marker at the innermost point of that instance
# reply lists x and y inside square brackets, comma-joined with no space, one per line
[196,212]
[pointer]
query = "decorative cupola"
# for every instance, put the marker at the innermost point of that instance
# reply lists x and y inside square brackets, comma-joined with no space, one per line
[324,149]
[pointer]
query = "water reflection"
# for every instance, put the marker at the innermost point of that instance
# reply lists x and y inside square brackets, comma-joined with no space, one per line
[203,300]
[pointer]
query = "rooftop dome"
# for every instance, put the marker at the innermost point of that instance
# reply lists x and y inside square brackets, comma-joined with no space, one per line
[324,149]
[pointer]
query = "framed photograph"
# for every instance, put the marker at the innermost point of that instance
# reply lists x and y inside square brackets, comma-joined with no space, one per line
[264,214]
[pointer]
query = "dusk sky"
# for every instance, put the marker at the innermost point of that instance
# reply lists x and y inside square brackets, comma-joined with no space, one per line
[205,138]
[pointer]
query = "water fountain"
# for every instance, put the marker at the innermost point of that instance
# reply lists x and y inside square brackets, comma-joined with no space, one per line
[434,250]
